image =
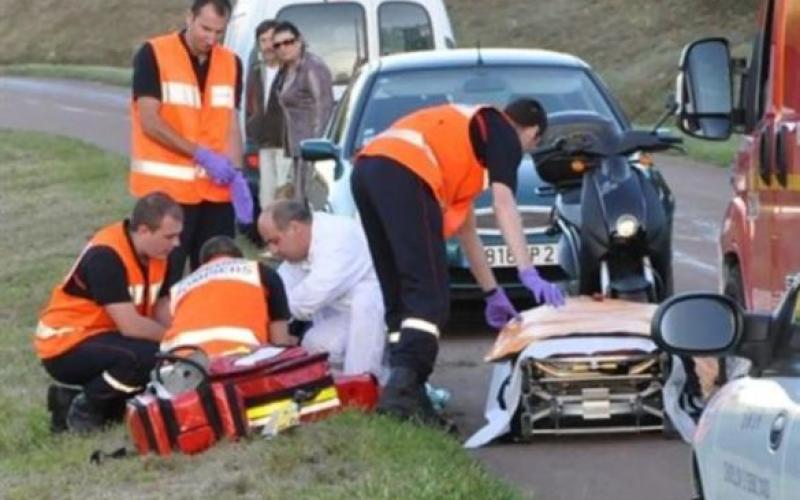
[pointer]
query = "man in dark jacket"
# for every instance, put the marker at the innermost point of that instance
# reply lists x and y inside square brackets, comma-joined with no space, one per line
[264,116]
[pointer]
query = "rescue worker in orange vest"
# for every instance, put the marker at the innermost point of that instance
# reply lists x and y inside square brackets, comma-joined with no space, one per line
[103,323]
[185,133]
[228,305]
[414,185]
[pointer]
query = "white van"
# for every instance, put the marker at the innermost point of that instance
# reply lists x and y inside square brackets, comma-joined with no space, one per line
[345,33]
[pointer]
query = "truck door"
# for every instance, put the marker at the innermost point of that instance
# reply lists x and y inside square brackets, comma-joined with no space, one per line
[786,251]
[755,161]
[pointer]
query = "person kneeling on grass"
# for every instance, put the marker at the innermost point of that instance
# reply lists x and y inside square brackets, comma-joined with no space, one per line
[228,305]
[101,329]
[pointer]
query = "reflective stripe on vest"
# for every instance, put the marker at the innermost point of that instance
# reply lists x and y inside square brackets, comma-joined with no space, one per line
[208,335]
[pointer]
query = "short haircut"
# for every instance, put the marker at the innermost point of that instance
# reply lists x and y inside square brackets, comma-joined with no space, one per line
[287,26]
[527,112]
[285,211]
[221,7]
[265,26]
[151,209]
[219,246]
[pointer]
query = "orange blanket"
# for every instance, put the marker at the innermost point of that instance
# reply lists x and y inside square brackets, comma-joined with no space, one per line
[580,315]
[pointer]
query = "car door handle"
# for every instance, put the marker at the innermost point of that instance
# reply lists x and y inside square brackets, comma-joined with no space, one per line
[776,431]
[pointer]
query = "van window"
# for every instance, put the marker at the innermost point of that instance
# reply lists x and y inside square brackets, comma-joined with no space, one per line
[404,27]
[336,32]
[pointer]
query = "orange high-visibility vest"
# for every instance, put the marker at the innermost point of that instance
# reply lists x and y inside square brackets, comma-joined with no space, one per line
[202,120]
[435,144]
[68,320]
[221,308]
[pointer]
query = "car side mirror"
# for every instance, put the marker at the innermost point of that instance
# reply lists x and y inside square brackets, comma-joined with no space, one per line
[322,149]
[697,324]
[704,89]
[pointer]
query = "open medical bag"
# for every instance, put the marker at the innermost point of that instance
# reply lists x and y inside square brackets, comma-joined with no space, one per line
[190,421]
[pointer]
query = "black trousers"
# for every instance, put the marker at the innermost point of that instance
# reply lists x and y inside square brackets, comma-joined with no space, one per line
[110,367]
[403,225]
[201,222]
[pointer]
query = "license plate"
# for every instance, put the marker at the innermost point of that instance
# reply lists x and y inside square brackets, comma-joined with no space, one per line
[541,255]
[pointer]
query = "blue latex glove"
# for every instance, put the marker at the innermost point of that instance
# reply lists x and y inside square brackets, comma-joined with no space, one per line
[499,310]
[242,199]
[216,165]
[543,291]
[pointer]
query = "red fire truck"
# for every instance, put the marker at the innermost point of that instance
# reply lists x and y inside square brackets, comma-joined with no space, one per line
[717,95]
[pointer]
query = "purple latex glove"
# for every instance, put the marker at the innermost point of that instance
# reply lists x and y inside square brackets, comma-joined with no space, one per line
[242,199]
[543,291]
[216,165]
[499,310]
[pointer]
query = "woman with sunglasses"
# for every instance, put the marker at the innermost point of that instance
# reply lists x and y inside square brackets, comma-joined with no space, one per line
[307,100]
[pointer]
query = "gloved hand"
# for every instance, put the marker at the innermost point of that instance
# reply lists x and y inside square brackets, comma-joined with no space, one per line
[543,291]
[216,165]
[499,310]
[242,199]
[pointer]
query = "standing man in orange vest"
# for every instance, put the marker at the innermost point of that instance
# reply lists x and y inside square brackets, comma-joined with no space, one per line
[414,185]
[228,305]
[103,323]
[185,131]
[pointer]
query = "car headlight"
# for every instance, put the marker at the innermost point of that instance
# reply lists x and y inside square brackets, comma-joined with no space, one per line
[626,226]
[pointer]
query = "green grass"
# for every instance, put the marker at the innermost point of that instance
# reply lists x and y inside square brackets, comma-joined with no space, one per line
[55,193]
[102,74]
[719,153]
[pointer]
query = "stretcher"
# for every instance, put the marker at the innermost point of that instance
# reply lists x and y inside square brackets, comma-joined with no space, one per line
[587,367]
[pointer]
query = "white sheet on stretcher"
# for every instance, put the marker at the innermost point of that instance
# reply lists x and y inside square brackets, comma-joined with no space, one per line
[498,420]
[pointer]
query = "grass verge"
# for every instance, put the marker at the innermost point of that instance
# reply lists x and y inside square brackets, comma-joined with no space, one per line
[103,74]
[56,192]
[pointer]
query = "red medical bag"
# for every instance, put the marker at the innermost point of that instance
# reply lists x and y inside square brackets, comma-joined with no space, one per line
[190,422]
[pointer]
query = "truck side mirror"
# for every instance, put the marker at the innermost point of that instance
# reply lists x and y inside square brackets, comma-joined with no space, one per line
[704,89]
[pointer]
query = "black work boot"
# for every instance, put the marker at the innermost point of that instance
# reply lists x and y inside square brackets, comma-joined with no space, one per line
[428,415]
[83,417]
[59,399]
[400,397]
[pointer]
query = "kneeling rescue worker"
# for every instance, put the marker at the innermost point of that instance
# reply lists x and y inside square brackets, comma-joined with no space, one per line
[228,305]
[414,185]
[102,326]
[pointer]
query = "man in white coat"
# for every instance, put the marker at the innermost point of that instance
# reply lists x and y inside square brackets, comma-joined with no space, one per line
[330,281]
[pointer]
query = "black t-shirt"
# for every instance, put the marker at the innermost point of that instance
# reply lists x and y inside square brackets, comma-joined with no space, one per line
[147,80]
[101,277]
[277,302]
[497,146]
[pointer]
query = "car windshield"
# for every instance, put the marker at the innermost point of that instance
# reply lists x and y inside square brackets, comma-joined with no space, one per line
[398,93]
[333,31]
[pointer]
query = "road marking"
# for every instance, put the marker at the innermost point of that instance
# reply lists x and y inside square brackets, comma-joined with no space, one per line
[710,269]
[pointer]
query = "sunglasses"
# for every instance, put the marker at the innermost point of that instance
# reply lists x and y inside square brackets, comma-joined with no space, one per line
[284,43]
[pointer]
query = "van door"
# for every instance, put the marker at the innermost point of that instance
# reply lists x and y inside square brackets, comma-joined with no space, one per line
[757,158]
[787,145]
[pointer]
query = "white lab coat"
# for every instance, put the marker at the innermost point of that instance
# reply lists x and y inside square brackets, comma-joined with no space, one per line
[336,288]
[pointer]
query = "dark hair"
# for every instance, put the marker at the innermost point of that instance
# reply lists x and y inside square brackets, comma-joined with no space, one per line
[219,246]
[151,209]
[285,211]
[527,112]
[221,7]
[287,26]
[265,26]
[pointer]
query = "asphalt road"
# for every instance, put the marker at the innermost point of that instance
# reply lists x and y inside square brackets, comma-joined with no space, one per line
[575,468]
